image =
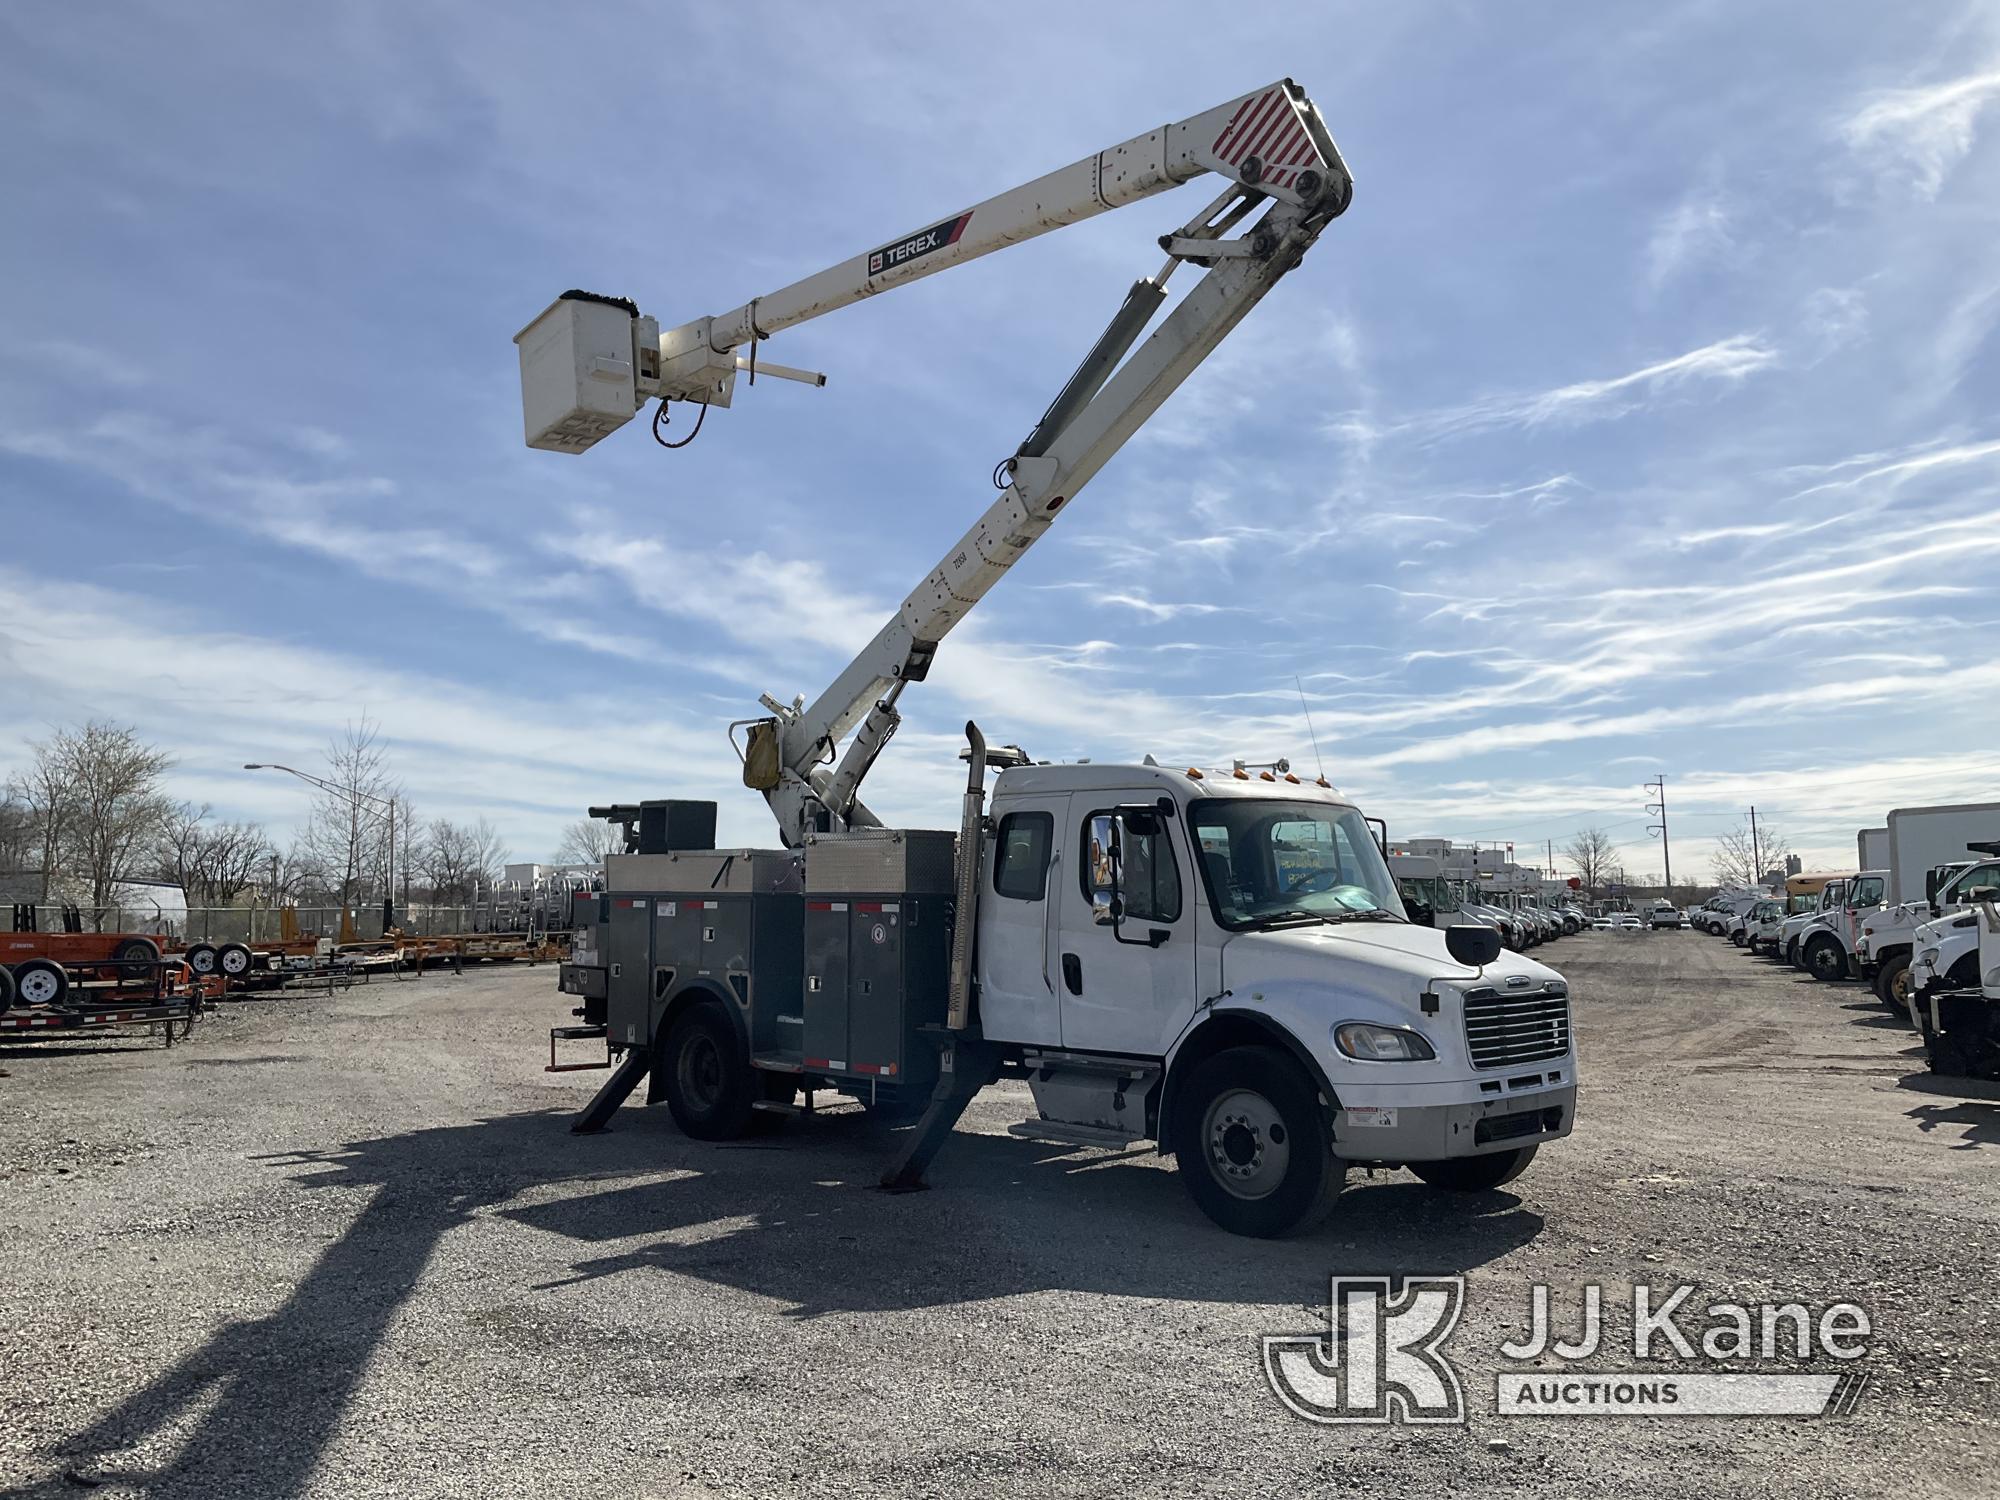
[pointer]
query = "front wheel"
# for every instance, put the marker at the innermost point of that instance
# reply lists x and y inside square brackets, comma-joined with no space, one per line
[1892,983]
[1254,1145]
[1825,961]
[1476,1174]
[710,1086]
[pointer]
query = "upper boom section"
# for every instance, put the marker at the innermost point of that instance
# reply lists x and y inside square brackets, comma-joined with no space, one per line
[588,363]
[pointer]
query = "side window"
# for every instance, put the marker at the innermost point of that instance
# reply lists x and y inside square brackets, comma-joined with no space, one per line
[1150,880]
[1980,883]
[1021,855]
[1867,893]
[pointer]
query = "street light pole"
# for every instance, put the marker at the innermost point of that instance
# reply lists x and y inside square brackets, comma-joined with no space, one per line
[354,799]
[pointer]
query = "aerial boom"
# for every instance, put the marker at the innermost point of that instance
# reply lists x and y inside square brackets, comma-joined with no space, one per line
[589,362]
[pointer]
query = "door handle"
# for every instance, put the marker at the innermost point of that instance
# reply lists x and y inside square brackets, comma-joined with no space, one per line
[1072,973]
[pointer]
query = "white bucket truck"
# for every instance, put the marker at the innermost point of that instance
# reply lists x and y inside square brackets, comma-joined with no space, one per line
[1215,961]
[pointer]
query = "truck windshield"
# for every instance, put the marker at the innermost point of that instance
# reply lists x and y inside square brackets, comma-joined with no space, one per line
[1269,862]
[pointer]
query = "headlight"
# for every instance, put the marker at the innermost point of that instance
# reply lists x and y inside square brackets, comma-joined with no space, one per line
[1367,1043]
[1928,958]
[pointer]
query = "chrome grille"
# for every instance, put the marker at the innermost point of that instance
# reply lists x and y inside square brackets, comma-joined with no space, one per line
[1502,1030]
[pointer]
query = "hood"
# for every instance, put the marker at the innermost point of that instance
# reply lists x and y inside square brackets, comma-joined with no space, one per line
[1392,960]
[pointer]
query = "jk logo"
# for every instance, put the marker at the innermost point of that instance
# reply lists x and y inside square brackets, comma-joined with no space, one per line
[1380,1360]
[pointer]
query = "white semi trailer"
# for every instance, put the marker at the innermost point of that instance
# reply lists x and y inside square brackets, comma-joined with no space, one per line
[1214,960]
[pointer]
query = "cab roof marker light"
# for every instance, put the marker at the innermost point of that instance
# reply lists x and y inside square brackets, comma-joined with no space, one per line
[1265,776]
[1193,774]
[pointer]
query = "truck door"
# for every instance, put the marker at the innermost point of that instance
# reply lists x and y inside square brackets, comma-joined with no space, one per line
[1127,987]
[1018,978]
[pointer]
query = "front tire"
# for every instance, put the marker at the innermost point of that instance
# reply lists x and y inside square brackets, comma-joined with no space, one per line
[1476,1174]
[1254,1144]
[710,1085]
[1892,983]
[1824,960]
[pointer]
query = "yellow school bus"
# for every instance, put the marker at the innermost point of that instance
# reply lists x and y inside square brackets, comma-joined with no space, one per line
[1802,891]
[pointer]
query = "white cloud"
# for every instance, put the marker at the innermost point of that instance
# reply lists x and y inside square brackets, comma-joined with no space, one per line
[1694,230]
[1726,362]
[1928,129]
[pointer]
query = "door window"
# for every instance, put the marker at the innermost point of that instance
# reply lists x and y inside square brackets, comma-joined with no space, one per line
[1021,857]
[1149,880]
[1980,883]
[1867,892]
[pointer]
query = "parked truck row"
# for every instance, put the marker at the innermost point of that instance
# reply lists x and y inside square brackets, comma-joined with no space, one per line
[1910,921]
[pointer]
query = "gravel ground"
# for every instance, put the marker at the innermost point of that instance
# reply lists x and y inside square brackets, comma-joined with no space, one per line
[345,1246]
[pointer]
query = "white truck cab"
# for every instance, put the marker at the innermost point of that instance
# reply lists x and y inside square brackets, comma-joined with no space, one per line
[1826,942]
[1886,948]
[1204,931]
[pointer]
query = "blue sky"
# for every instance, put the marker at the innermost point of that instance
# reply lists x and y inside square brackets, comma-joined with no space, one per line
[1640,415]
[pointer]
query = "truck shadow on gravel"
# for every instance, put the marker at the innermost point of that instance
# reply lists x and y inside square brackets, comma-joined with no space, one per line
[796,1218]
[805,1226]
[1977,1109]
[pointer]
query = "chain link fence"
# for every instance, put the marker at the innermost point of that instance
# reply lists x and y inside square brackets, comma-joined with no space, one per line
[264,924]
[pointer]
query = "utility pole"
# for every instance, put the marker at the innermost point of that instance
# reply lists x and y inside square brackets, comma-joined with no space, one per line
[1658,786]
[1756,859]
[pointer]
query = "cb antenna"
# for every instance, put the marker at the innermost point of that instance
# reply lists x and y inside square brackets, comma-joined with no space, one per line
[1309,725]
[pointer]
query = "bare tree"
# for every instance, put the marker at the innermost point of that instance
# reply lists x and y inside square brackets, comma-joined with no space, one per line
[457,858]
[588,841]
[115,806]
[1591,853]
[17,829]
[212,862]
[1738,860]
[346,836]
[45,790]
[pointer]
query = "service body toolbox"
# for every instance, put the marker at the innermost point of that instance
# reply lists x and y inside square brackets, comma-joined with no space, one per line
[878,945]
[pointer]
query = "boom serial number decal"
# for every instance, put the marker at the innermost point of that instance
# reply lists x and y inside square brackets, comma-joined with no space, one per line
[918,245]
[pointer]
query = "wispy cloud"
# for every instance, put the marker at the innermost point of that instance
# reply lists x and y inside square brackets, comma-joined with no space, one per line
[1928,129]
[1694,230]
[1726,362]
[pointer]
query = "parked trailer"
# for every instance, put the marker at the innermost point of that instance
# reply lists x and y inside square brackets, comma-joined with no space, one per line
[175,1018]
[42,968]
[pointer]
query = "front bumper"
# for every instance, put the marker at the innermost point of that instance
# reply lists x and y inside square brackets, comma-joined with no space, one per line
[1432,1132]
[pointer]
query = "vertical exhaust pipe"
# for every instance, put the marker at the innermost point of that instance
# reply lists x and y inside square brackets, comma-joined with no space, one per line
[971,859]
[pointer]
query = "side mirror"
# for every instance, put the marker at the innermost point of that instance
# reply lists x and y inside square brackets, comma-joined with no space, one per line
[1104,908]
[1475,947]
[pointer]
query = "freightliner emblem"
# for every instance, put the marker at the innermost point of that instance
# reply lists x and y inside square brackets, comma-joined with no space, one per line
[918,245]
